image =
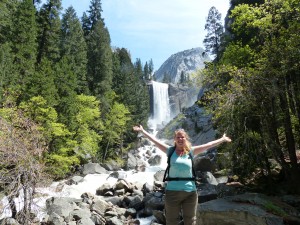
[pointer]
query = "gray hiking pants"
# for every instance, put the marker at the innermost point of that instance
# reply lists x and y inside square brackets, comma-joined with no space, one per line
[181,201]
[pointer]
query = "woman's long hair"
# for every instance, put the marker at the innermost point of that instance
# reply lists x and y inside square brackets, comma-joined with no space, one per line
[188,145]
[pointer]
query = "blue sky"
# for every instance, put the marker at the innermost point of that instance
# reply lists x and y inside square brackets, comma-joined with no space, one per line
[154,29]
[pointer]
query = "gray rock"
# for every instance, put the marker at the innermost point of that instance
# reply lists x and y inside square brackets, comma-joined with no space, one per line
[60,206]
[187,61]
[100,206]
[79,214]
[93,168]
[154,160]
[134,162]
[233,211]
[75,180]
[114,221]
[86,221]
[9,221]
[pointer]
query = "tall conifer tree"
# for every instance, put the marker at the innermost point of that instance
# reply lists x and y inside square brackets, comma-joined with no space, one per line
[99,69]
[49,32]
[73,48]
[7,69]
[24,43]
[6,17]
[215,30]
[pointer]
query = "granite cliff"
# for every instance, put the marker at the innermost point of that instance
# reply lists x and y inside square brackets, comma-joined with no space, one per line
[187,61]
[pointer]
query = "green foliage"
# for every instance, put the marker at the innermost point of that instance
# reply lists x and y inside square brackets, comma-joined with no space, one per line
[49,31]
[7,7]
[8,73]
[115,127]
[130,87]
[60,165]
[61,156]
[252,91]
[73,48]
[66,85]
[24,42]
[43,84]
[238,55]
[89,125]
[99,62]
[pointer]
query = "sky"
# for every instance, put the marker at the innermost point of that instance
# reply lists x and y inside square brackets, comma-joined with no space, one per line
[154,29]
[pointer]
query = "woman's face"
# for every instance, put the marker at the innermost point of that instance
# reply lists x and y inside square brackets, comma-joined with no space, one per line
[180,139]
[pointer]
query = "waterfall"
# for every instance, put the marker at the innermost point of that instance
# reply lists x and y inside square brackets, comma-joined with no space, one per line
[160,105]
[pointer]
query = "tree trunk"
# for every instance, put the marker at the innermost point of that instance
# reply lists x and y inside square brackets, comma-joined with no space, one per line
[296,98]
[272,139]
[294,180]
[290,140]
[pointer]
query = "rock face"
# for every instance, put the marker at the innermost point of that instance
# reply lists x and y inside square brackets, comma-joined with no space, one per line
[187,61]
[181,97]
[248,208]
[195,121]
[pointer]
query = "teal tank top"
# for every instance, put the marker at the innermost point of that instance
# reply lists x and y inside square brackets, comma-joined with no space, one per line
[180,166]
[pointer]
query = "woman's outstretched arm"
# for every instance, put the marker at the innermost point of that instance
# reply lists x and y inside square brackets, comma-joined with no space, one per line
[161,145]
[201,148]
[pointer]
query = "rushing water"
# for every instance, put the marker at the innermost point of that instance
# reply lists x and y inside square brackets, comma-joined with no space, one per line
[89,184]
[93,181]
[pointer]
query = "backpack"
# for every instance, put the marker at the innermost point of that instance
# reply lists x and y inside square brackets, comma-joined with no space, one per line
[167,178]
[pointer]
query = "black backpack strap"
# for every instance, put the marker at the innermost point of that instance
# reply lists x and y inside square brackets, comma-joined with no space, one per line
[181,178]
[167,178]
[169,154]
[193,170]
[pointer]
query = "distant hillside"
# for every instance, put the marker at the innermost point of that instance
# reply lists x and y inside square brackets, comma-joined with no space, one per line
[187,61]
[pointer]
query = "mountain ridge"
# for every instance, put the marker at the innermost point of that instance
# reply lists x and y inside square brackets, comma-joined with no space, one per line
[187,61]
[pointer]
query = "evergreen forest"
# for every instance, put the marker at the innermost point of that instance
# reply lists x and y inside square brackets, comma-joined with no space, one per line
[67,96]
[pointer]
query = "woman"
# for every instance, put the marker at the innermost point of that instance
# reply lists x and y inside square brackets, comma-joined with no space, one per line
[181,195]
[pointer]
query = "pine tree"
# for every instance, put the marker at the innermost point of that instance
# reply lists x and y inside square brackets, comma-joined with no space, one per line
[122,68]
[138,67]
[85,24]
[73,48]
[214,27]
[24,45]
[43,83]
[7,7]
[8,71]
[130,88]
[49,31]
[99,68]
[146,72]
[66,84]
[99,60]
[95,13]
[92,16]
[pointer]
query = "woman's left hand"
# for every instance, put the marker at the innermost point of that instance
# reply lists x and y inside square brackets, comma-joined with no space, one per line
[225,138]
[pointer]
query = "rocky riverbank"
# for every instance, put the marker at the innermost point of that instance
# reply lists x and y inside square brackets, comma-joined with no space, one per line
[118,201]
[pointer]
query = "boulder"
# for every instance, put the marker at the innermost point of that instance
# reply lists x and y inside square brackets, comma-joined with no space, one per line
[93,168]
[244,209]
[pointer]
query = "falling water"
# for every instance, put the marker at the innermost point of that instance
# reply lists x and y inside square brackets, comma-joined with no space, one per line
[161,106]
[161,116]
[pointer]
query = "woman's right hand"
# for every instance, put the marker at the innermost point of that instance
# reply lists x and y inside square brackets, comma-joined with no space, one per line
[138,128]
